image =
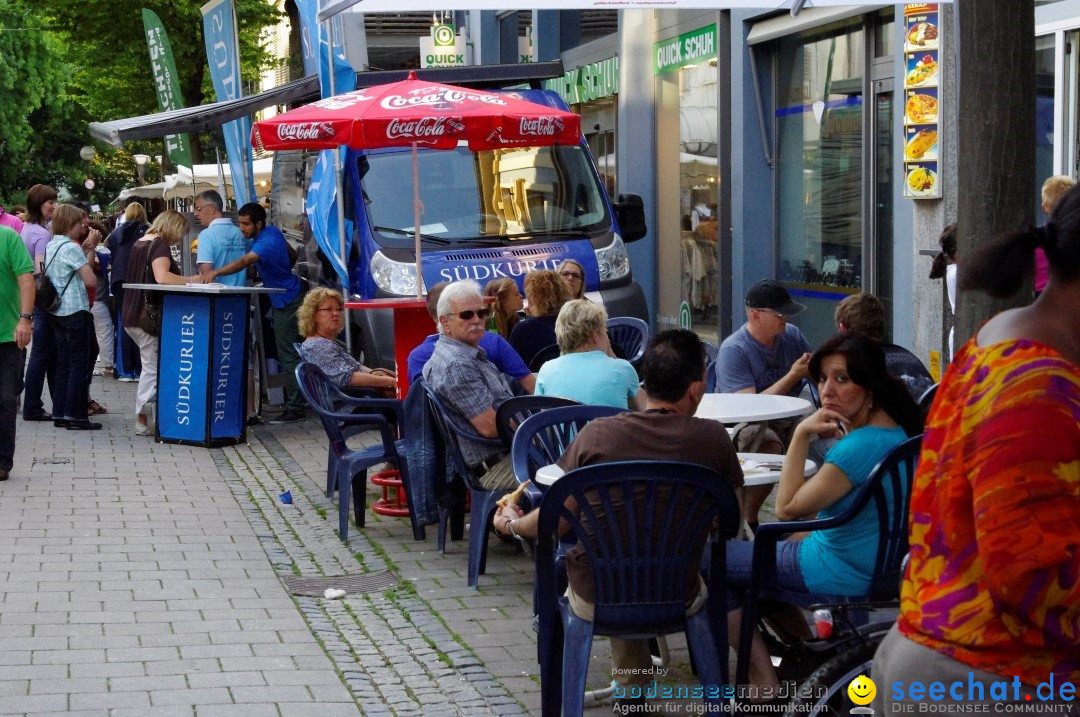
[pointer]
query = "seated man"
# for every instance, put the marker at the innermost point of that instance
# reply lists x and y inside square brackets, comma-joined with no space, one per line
[467,383]
[498,350]
[863,314]
[673,369]
[766,355]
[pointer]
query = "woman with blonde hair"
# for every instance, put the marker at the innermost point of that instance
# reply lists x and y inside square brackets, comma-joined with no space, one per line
[508,302]
[151,262]
[574,275]
[586,371]
[320,321]
[546,292]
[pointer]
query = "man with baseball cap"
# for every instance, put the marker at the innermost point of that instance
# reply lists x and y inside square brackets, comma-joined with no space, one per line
[766,355]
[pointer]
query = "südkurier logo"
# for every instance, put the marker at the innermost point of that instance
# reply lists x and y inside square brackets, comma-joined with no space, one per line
[1001,696]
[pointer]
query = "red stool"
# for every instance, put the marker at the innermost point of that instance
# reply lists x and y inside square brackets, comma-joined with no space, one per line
[397,507]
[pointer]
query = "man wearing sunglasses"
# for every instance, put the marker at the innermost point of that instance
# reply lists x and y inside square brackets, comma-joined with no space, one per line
[467,382]
[766,355]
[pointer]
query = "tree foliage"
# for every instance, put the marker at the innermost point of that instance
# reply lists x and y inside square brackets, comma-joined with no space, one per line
[65,63]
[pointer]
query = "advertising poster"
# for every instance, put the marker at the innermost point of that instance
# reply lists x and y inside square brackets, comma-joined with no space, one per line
[185,351]
[922,110]
[227,409]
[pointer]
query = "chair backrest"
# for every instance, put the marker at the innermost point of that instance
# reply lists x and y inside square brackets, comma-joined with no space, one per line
[629,334]
[450,435]
[543,356]
[710,350]
[336,409]
[543,437]
[889,486]
[645,560]
[299,348]
[710,376]
[926,400]
[810,389]
[322,395]
[513,412]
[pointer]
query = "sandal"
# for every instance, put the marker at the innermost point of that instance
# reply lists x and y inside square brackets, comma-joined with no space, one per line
[94,408]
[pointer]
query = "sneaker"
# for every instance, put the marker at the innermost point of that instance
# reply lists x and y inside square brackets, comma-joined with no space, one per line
[287,416]
[150,411]
[129,379]
[142,430]
[108,372]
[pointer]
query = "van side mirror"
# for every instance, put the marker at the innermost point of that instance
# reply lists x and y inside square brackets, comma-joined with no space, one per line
[630,213]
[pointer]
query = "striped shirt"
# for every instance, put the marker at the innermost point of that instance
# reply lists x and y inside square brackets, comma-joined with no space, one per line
[64,272]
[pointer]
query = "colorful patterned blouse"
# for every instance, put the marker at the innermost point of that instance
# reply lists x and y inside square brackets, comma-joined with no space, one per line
[994,579]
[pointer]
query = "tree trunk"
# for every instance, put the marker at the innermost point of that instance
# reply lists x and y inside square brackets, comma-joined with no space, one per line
[996,142]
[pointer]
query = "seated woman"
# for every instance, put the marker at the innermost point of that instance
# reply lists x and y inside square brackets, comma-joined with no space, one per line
[586,371]
[320,321]
[547,293]
[508,302]
[871,413]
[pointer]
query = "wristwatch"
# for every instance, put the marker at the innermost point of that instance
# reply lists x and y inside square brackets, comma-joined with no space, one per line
[28,317]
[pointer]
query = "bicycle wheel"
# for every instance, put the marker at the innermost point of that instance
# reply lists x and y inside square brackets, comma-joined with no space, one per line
[825,691]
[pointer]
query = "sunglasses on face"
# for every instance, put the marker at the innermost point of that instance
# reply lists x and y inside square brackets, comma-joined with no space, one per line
[469,313]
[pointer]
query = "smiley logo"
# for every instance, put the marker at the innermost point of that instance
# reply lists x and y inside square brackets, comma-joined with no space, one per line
[862,690]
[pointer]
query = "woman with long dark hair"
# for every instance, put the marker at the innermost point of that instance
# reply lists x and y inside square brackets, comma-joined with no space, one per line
[40,206]
[508,302]
[871,413]
[992,591]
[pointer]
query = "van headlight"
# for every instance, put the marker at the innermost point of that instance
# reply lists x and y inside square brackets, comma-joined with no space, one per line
[612,260]
[393,277]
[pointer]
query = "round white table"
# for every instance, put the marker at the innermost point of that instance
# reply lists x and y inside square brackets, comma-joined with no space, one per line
[758,469]
[751,407]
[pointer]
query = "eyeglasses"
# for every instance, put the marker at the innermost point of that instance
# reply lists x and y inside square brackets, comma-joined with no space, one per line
[199,209]
[333,310]
[570,275]
[467,314]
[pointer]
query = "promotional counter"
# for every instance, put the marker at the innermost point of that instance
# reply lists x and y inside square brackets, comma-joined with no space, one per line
[202,363]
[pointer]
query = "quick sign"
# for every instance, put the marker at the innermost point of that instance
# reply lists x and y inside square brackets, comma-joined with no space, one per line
[590,82]
[443,48]
[683,50]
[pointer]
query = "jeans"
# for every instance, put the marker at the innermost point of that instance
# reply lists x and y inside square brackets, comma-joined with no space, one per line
[71,377]
[42,365]
[103,328]
[12,359]
[125,350]
[148,355]
[740,557]
[285,335]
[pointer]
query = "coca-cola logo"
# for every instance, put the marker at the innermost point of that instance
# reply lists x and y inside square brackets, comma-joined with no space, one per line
[425,128]
[437,99]
[304,131]
[540,126]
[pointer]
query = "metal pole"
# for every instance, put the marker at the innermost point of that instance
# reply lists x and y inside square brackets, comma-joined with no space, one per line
[416,219]
[346,289]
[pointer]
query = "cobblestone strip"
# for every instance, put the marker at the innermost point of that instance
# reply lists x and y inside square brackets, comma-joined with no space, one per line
[394,653]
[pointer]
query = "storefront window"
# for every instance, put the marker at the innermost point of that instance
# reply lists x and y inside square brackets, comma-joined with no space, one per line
[819,119]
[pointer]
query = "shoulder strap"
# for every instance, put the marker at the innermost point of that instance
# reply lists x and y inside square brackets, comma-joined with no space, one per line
[45,267]
[149,258]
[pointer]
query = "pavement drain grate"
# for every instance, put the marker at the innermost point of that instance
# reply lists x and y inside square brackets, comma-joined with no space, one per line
[352,584]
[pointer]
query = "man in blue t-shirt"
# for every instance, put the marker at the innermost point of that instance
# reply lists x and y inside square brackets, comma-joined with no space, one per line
[498,350]
[766,355]
[274,259]
[220,242]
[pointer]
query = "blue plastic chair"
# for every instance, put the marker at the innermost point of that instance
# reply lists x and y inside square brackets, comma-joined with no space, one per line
[710,351]
[541,357]
[640,570]
[482,500]
[926,400]
[543,437]
[629,334]
[710,376]
[513,412]
[889,489]
[342,417]
[810,388]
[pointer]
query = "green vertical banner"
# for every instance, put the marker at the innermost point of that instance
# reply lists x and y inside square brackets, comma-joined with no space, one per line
[166,85]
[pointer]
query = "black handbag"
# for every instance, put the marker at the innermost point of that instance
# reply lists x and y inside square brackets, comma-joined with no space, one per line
[150,318]
[46,298]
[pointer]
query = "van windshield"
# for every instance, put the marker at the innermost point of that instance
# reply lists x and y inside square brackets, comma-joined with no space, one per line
[518,194]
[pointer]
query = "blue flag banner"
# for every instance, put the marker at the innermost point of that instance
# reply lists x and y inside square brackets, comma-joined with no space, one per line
[223,56]
[321,203]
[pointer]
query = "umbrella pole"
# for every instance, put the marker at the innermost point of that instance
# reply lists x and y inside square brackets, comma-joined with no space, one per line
[416,220]
[346,288]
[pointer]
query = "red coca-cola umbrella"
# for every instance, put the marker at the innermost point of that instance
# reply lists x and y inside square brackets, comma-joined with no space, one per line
[417,113]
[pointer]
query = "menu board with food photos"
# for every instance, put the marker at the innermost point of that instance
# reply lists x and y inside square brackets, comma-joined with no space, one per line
[922,112]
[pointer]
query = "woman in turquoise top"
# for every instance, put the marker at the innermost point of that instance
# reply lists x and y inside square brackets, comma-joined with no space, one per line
[871,413]
[586,371]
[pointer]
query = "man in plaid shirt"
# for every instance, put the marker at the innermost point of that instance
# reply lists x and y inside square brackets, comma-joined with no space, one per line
[470,385]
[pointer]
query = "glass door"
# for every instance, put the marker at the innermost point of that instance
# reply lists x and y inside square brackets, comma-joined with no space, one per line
[881,200]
